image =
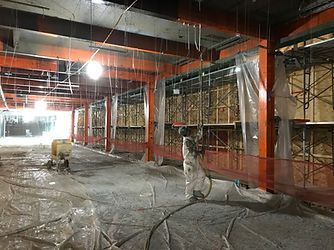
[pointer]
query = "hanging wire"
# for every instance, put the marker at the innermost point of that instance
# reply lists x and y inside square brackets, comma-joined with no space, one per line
[98,50]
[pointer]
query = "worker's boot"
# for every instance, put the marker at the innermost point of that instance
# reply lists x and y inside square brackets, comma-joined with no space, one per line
[192,199]
[198,194]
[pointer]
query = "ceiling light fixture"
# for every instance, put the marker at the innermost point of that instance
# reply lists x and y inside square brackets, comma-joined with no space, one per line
[98,1]
[94,70]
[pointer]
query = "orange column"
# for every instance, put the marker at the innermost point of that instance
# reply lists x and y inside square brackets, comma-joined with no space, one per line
[72,125]
[86,123]
[149,129]
[266,115]
[107,128]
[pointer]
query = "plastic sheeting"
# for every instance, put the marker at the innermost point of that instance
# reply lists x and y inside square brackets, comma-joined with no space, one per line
[247,69]
[130,198]
[159,117]
[114,114]
[248,90]
[2,125]
[76,120]
[285,105]
[44,210]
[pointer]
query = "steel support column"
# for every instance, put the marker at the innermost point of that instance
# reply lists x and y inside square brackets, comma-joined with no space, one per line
[107,127]
[86,123]
[266,115]
[149,121]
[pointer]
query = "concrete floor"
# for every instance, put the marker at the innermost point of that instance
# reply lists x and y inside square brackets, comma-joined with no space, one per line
[112,201]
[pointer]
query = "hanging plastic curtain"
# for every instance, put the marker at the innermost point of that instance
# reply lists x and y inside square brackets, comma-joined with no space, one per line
[285,105]
[76,121]
[114,107]
[247,69]
[90,119]
[145,106]
[2,125]
[159,116]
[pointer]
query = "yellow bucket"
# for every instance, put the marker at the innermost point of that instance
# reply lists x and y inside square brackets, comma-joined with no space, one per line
[61,149]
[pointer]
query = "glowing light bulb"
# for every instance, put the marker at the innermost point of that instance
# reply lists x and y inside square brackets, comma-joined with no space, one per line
[94,70]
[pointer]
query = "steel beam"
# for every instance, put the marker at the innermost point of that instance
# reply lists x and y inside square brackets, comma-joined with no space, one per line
[58,99]
[105,58]
[130,76]
[52,25]
[216,19]
[11,61]
[306,28]
[149,122]
[237,48]
[266,122]
[52,108]
[107,127]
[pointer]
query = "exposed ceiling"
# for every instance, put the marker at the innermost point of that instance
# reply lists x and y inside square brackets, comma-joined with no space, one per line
[46,44]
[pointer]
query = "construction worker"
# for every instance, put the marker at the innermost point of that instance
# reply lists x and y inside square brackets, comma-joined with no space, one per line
[193,171]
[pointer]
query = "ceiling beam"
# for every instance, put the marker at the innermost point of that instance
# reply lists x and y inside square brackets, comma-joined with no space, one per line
[107,59]
[52,25]
[51,107]
[306,28]
[188,11]
[58,99]
[240,47]
[11,61]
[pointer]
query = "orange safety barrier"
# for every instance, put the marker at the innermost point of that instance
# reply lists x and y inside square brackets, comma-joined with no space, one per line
[307,181]
[78,137]
[129,146]
[170,152]
[91,139]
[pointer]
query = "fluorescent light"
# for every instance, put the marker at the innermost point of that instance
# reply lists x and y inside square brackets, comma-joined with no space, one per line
[41,105]
[109,48]
[319,43]
[94,70]
[98,1]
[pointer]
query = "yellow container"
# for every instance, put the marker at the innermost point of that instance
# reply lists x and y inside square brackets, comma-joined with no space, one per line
[61,149]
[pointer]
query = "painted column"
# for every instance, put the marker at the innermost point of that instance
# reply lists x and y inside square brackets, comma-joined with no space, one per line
[149,129]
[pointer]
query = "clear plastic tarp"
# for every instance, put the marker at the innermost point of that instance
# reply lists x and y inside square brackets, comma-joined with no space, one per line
[76,121]
[114,107]
[285,105]
[42,209]
[110,203]
[159,117]
[247,69]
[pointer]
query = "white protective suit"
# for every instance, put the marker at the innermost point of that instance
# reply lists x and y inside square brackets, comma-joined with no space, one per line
[193,171]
